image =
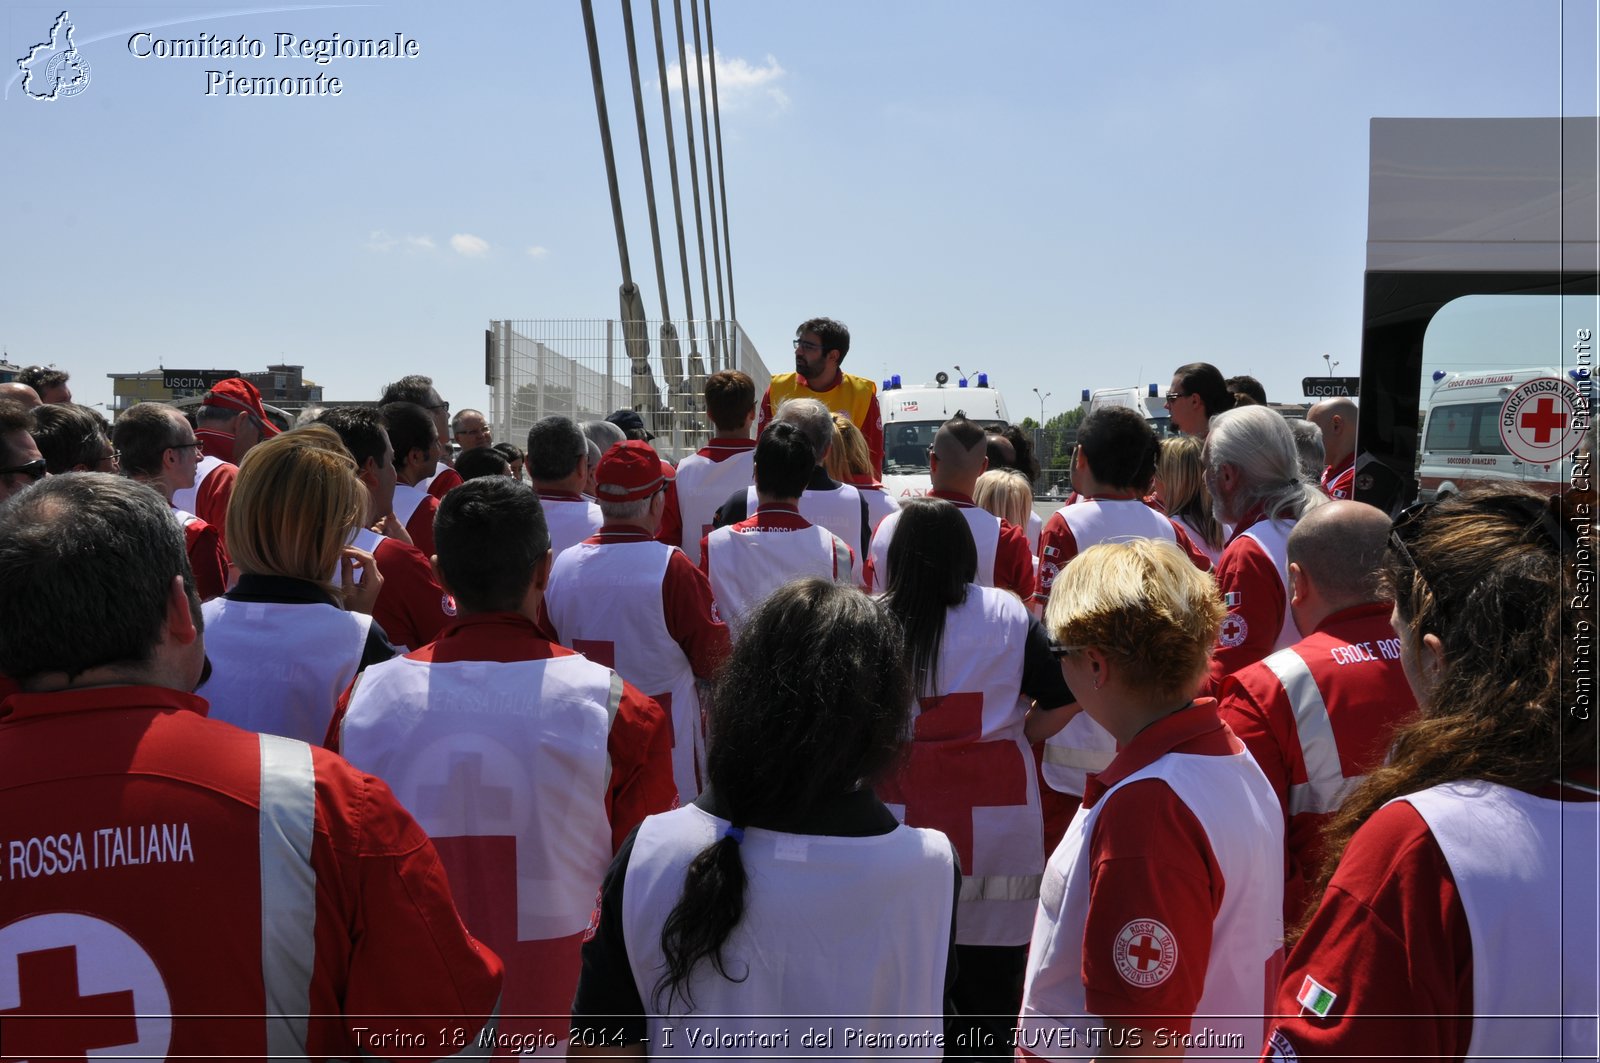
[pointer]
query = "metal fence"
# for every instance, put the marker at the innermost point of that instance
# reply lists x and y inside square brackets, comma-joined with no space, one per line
[589,368]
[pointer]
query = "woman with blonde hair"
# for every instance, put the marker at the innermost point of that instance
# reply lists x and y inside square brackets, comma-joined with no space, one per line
[1181,488]
[1460,893]
[297,627]
[850,462]
[1008,494]
[1165,899]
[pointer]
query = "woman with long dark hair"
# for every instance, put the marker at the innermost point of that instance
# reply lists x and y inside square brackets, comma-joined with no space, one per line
[978,662]
[1461,886]
[786,888]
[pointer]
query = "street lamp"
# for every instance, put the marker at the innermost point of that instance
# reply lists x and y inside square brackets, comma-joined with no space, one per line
[1046,395]
[1327,360]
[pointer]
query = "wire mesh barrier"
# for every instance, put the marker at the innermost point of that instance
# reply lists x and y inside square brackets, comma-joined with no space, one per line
[586,369]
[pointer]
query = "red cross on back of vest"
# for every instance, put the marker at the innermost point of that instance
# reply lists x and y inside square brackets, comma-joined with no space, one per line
[949,772]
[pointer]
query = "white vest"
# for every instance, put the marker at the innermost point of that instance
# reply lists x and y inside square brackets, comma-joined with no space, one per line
[985,536]
[1034,529]
[702,485]
[970,772]
[838,510]
[184,518]
[1273,537]
[1093,521]
[406,500]
[1525,868]
[856,927]
[279,668]
[880,504]
[1214,553]
[606,600]
[488,755]
[185,498]
[570,521]
[1083,746]
[1244,825]
[744,567]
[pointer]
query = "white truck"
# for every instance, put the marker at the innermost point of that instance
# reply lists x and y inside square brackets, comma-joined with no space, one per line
[911,416]
[1493,424]
[1147,401]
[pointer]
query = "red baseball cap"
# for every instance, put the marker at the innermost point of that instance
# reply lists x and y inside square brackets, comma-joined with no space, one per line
[629,471]
[237,393]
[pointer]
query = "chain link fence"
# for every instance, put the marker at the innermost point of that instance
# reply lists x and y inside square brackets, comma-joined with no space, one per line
[587,369]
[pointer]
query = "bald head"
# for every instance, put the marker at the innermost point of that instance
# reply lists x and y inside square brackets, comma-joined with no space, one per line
[20,393]
[1337,419]
[960,454]
[1338,549]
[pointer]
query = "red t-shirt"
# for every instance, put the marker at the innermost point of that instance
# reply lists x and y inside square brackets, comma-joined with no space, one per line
[1339,480]
[207,560]
[443,481]
[420,526]
[412,607]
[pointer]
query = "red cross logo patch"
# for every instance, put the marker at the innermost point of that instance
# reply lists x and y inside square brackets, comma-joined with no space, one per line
[1146,953]
[72,986]
[1233,631]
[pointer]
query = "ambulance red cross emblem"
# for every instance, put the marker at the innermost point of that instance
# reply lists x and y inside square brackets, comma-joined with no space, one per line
[1543,420]
[1146,953]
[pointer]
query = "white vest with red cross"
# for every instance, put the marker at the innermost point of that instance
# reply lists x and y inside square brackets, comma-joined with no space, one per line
[746,563]
[1524,867]
[970,771]
[569,520]
[1273,538]
[985,528]
[701,486]
[279,668]
[504,764]
[605,602]
[1244,828]
[1083,746]
[832,926]
[187,498]
[838,510]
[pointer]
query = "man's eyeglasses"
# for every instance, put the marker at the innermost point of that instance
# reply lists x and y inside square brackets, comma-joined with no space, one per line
[807,345]
[443,407]
[33,470]
[1174,396]
[199,446]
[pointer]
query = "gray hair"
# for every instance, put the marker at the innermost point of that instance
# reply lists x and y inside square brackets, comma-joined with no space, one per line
[595,453]
[1258,443]
[624,512]
[87,561]
[1308,444]
[555,446]
[814,420]
[309,415]
[602,434]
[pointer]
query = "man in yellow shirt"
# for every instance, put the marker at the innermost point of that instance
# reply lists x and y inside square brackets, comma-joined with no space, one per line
[820,345]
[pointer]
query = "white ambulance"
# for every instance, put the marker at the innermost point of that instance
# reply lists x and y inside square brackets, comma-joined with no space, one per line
[1499,424]
[911,416]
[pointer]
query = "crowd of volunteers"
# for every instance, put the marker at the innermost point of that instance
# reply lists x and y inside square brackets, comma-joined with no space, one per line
[372,736]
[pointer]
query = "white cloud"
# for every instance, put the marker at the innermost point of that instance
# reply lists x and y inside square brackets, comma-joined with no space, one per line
[381,241]
[469,245]
[538,252]
[739,84]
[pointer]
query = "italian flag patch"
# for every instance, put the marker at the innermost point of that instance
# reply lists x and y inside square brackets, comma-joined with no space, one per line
[1316,997]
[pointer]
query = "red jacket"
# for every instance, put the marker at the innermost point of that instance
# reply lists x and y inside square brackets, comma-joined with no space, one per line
[160,863]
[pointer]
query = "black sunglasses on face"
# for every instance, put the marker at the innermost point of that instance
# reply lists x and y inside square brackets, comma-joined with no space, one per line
[33,470]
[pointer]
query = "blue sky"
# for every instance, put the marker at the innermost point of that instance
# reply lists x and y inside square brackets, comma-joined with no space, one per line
[1062,194]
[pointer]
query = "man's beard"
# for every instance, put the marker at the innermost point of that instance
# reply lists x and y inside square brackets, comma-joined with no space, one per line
[807,370]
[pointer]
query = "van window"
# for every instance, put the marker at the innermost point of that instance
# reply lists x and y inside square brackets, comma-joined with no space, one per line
[1466,428]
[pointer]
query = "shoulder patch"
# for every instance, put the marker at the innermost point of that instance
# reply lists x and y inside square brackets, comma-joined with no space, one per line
[1234,630]
[1279,1050]
[1316,997]
[1145,952]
